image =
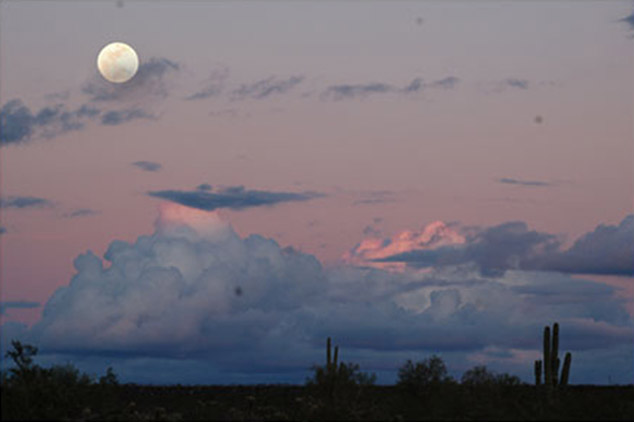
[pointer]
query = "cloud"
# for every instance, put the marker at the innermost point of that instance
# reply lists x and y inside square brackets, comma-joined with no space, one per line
[25,202]
[81,212]
[204,186]
[148,165]
[18,304]
[495,250]
[151,80]
[213,86]
[169,299]
[517,83]
[18,124]
[387,253]
[519,182]
[267,87]
[375,197]
[629,20]
[339,92]
[236,198]
[606,250]
[350,91]
[117,117]
[446,83]
[3,230]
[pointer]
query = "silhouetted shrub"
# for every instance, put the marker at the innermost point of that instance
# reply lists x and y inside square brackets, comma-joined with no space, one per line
[480,376]
[422,375]
[30,391]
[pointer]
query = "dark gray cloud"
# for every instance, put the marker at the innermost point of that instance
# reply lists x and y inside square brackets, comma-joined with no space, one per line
[16,122]
[267,87]
[17,304]
[233,198]
[148,165]
[19,124]
[117,117]
[606,250]
[24,202]
[204,186]
[81,212]
[3,230]
[509,181]
[517,83]
[151,80]
[350,91]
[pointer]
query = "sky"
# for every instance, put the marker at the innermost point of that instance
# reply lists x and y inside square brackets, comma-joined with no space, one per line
[408,178]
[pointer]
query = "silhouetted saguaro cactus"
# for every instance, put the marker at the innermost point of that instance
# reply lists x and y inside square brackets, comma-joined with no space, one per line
[551,360]
[538,372]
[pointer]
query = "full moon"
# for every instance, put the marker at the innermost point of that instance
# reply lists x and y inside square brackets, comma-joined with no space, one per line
[117,62]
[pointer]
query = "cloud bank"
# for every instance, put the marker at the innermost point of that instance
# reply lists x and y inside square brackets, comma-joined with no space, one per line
[169,300]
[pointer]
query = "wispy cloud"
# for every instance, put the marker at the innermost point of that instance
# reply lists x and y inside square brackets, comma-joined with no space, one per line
[24,202]
[19,124]
[535,183]
[117,117]
[267,87]
[351,91]
[236,198]
[517,83]
[375,197]
[81,212]
[148,165]
[213,86]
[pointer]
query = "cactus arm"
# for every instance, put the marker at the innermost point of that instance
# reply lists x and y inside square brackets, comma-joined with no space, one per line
[336,356]
[565,371]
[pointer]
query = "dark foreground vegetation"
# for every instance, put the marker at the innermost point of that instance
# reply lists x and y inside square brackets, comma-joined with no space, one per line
[336,391]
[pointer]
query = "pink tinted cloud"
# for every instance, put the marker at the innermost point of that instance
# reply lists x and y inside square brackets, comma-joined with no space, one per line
[434,235]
